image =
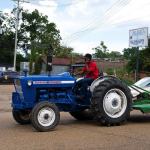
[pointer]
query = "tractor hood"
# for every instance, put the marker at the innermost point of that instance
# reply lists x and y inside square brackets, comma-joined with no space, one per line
[56,80]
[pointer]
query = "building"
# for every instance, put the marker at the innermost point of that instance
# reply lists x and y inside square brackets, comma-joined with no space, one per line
[59,65]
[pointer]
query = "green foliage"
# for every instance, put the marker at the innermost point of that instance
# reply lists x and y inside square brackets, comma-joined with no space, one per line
[35,35]
[38,66]
[7,48]
[144,59]
[129,53]
[145,56]
[110,71]
[122,74]
[40,31]
[6,42]
[114,54]
[37,30]
[63,51]
[101,51]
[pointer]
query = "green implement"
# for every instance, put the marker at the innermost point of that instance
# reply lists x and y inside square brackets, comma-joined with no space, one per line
[143,100]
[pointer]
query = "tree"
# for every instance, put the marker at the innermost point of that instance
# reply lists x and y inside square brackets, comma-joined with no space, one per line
[145,57]
[7,41]
[35,35]
[37,30]
[6,48]
[131,55]
[38,34]
[101,51]
[63,51]
[114,54]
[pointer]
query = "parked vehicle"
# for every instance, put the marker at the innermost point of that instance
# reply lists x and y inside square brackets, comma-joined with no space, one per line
[8,76]
[143,83]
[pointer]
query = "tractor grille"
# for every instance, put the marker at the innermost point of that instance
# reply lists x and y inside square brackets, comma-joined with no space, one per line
[18,88]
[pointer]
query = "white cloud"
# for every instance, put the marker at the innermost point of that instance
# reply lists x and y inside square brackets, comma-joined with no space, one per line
[45,7]
[137,11]
[100,15]
[83,47]
[47,3]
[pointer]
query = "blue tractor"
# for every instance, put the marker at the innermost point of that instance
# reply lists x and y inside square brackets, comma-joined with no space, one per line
[39,100]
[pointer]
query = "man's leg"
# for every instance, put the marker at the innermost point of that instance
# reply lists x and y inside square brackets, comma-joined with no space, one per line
[85,83]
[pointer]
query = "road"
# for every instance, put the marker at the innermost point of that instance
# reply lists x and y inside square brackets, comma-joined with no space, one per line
[71,134]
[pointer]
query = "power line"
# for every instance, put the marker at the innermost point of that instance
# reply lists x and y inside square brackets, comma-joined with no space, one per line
[94,25]
[103,22]
[59,5]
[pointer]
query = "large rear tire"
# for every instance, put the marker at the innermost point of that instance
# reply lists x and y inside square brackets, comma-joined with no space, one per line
[111,102]
[45,116]
[86,114]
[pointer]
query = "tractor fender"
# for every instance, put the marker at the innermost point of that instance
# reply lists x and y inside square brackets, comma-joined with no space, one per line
[79,79]
[99,80]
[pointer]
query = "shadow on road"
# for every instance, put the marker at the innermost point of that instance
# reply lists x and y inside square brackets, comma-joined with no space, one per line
[140,118]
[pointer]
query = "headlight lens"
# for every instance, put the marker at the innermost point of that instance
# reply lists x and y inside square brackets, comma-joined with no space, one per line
[29,83]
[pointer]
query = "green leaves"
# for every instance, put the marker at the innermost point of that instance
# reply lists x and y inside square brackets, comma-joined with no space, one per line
[144,60]
[101,51]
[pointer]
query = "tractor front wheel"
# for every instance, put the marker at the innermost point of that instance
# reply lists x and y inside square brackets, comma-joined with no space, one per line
[45,116]
[21,116]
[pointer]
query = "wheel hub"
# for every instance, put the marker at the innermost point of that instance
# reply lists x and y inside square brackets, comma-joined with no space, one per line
[46,117]
[114,103]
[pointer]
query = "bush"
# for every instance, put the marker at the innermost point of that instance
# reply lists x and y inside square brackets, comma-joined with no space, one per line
[122,74]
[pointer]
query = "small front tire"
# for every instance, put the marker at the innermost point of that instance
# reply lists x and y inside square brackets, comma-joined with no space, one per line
[45,116]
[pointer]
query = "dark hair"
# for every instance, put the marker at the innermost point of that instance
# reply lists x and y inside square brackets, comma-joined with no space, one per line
[89,56]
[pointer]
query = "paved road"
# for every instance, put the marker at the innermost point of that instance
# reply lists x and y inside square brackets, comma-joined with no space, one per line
[72,134]
[5,97]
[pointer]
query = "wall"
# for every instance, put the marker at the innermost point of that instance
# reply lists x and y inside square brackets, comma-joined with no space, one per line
[104,65]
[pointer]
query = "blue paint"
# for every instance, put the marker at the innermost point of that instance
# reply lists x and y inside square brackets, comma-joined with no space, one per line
[55,89]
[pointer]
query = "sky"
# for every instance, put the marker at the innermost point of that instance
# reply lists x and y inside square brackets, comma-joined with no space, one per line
[83,24]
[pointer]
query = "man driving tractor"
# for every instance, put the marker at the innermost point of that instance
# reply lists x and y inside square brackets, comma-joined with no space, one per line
[90,72]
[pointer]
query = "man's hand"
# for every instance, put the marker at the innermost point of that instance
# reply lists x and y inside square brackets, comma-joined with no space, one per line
[87,69]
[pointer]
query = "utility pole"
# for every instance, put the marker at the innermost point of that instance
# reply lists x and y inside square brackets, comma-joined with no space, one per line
[1,19]
[137,64]
[16,30]
[1,22]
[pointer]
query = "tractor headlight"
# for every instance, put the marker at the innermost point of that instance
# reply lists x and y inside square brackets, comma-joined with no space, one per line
[29,83]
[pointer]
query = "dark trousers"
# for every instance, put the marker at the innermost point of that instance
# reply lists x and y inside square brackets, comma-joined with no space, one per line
[84,83]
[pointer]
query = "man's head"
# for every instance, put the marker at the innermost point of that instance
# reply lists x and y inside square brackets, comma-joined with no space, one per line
[88,58]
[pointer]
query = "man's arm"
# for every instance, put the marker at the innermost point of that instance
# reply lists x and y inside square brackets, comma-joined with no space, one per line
[82,72]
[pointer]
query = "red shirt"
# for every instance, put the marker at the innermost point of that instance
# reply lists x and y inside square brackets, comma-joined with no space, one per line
[93,70]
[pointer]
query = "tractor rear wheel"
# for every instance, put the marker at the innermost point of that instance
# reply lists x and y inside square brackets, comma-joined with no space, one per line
[111,102]
[86,114]
[45,116]
[21,116]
